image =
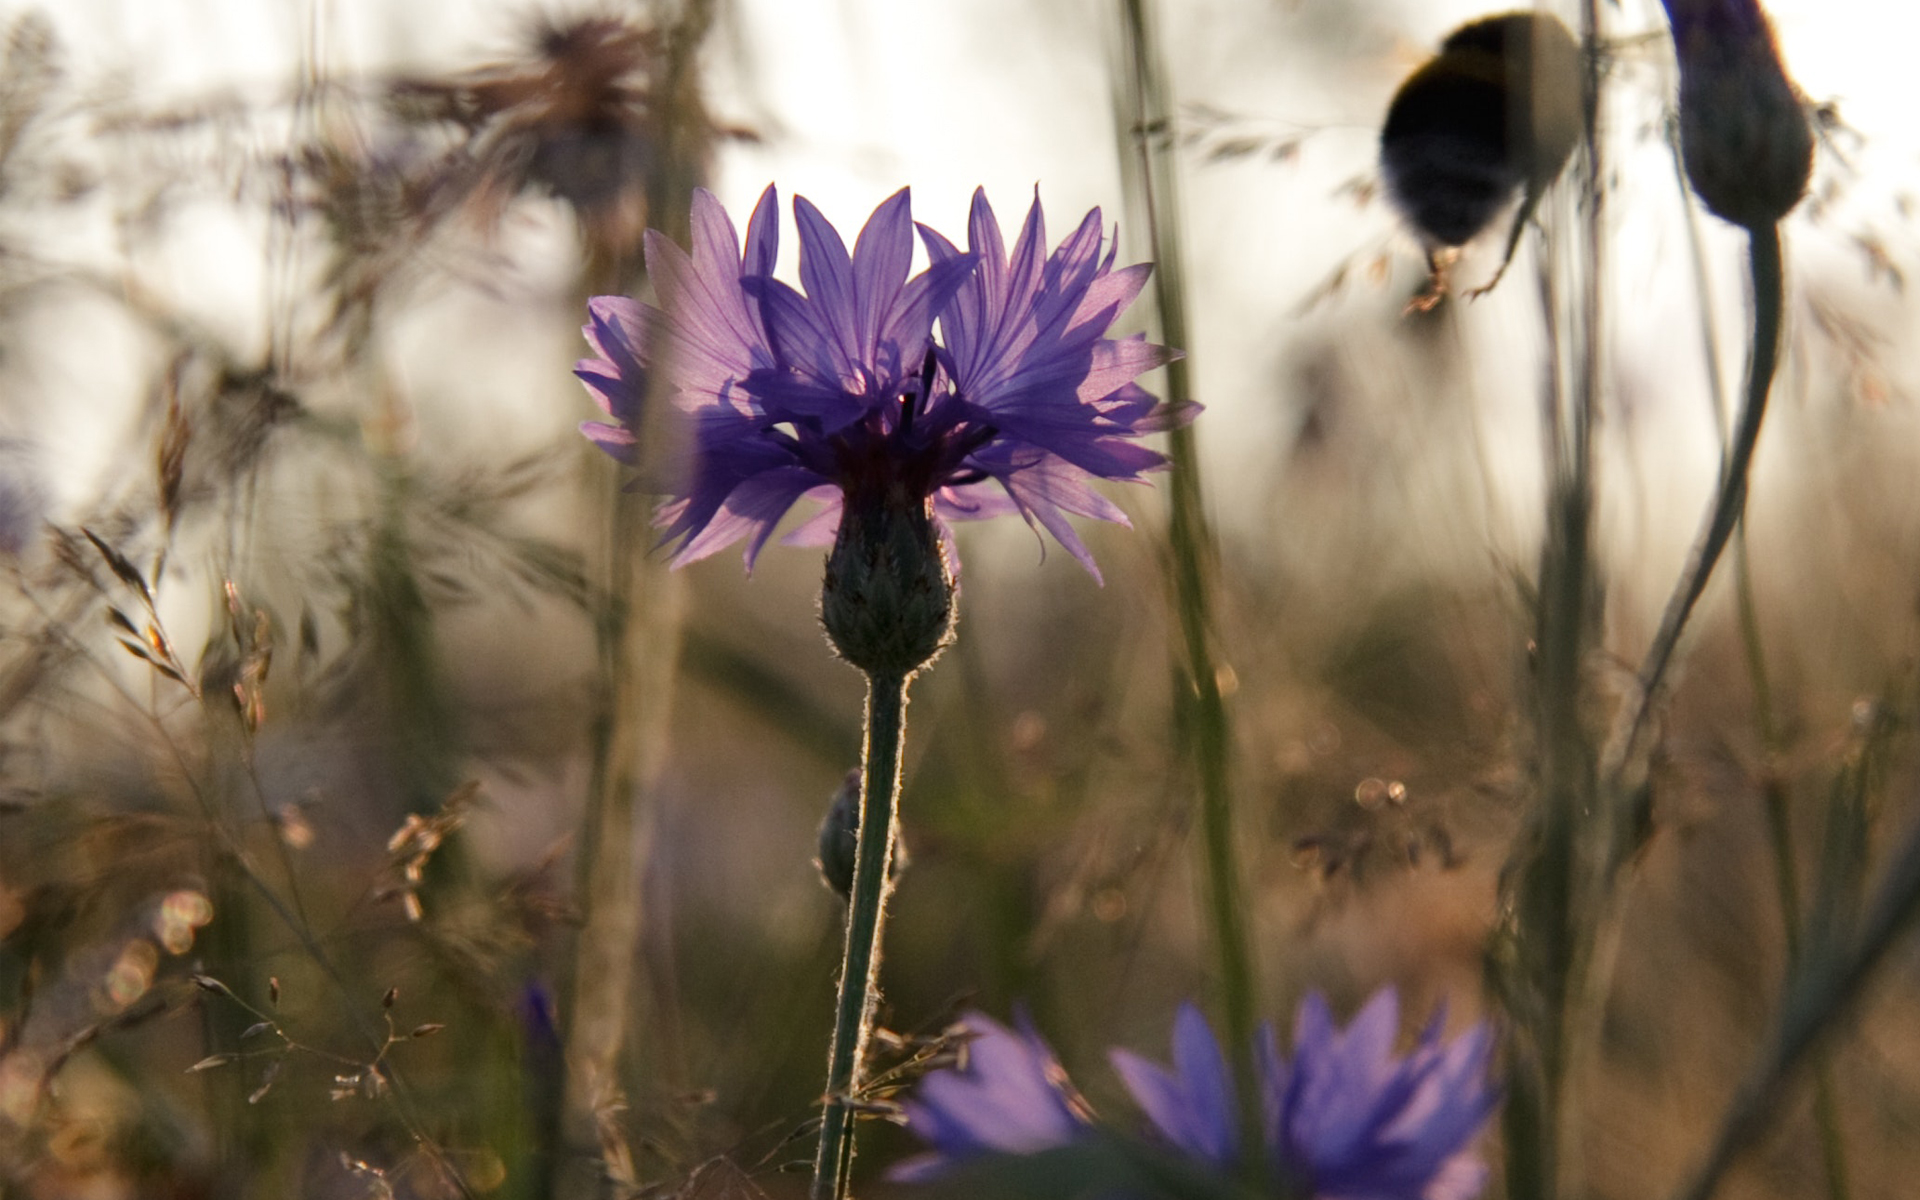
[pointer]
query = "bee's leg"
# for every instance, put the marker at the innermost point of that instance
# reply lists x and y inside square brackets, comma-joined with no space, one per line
[1439,280]
[1528,204]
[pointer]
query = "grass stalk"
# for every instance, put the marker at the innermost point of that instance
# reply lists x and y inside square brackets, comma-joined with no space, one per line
[1729,502]
[1147,121]
[608,881]
[1824,988]
[1539,973]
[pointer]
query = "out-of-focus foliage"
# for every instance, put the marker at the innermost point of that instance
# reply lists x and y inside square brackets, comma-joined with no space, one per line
[302,650]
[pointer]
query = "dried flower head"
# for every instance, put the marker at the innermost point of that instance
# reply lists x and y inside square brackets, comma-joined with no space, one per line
[573,116]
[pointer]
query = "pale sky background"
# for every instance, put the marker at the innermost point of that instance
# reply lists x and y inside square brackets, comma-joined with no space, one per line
[858,97]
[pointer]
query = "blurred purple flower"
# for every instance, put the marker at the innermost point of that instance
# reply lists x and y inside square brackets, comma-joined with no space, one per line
[1352,1119]
[1009,1096]
[1346,1119]
[1193,1105]
[843,391]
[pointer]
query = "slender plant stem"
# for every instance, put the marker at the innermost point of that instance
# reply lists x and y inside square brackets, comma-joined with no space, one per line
[607,879]
[1774,792]
[1824,988]
[1190,538]
[866,917]
[1826,1103]
[1553,935]
[1621,775]
[1729,500]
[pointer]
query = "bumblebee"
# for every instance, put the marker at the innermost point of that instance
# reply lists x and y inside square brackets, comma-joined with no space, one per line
[1498,110]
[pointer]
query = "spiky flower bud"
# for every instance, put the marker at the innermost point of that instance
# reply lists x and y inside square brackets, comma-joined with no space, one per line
[1744,135]
[887,602]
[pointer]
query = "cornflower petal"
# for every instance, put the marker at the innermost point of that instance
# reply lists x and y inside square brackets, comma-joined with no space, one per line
[1192,1105]
[616,440]
[1027,339]
[881,258]
[616,378]
[1010,1097]
[1046,488]
[1346,1119]
[1352,1120]
[717,339]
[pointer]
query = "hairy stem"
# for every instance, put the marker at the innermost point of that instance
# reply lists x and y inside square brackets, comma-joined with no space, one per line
[866,917]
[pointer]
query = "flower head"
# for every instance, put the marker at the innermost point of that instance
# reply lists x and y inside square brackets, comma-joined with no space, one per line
[1744,135]
[841,391]
[1345,1118]
[1354,1119]
[1009,1096]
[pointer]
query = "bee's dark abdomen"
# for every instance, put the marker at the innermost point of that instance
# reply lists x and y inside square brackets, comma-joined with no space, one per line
[1450,188]
[1446,153]
[1497,109]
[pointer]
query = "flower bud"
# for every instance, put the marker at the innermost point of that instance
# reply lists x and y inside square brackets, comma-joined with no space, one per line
[887,601]
[1744,135]
[840,840]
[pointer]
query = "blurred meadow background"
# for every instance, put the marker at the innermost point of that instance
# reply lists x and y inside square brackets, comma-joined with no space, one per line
[379,818]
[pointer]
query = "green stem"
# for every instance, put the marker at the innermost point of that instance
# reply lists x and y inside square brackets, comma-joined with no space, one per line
[1553,936]
[1826,1105]
[1825,987]
[1190,538]
[866,917]
[607,874]
[1729,501]
[1774,792]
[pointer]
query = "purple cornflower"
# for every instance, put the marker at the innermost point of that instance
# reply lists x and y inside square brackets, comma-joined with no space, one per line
[1351,1119]
[1345,1119]
[1009,1096]
[843,393]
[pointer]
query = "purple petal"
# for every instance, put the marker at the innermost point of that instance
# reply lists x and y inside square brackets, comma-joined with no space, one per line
[826,272]
[1050,488]
[750,511]
[763,235]
[820,528]
[1352,1119]
[614,439]
[881,257]
[1010,1097]
[1192,1105]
